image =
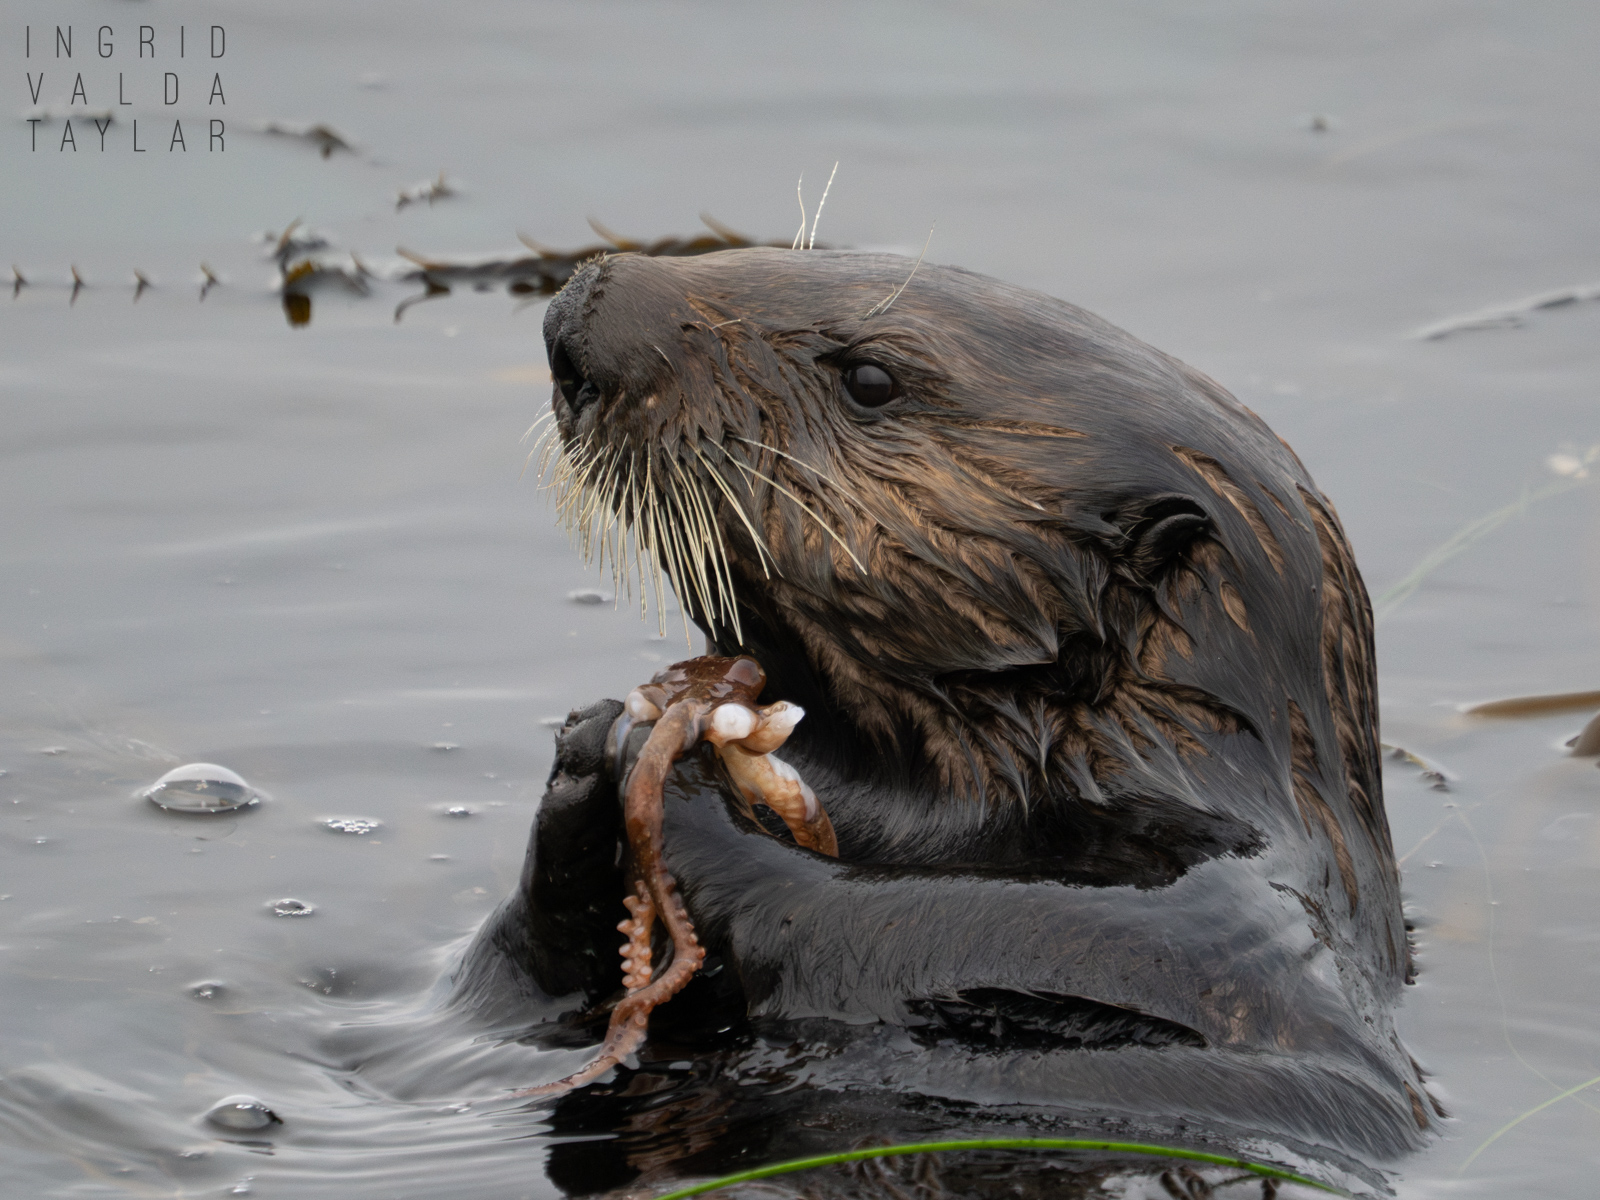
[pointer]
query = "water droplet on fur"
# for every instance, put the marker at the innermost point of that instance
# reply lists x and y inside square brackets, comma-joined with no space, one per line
[203,788]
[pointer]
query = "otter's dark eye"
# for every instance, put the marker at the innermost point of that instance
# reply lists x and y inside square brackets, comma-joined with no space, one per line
[870,385]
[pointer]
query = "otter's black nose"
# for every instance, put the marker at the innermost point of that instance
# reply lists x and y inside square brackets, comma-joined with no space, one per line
[563,328]
[576,390]
[613,331]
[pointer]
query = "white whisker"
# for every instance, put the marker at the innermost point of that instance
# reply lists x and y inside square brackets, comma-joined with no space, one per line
[547,416]
[812,244]
[763,554]
[799,462]
[711,535]
[883,306]
[805,508]
[798,195]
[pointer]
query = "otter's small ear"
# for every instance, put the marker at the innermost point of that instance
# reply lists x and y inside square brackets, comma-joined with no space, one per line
[1163,531]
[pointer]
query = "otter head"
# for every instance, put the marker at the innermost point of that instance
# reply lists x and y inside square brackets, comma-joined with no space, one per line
[1002,552]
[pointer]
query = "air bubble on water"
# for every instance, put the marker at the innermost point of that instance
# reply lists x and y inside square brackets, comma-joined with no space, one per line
[431,858]
[242,1113]
[444,747]
[360,826]
[242,1188]
[53,750]
[589,596]
[207,989]
[458,810]
[202,788]
[289,907]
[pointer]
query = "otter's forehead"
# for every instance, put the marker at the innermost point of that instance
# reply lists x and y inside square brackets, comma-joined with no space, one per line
[852,294]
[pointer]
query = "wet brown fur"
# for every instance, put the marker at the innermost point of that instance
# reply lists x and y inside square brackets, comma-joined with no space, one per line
[949,525]
[1076,635]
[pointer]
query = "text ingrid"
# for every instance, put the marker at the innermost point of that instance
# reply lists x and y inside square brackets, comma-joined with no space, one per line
[142,88]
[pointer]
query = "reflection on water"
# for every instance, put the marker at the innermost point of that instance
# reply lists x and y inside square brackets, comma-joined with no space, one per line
[297,308]
[306,549]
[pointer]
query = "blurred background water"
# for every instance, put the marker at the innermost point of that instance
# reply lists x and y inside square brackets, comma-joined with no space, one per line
[313,555]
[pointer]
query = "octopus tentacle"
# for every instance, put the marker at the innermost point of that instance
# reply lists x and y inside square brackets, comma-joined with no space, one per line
[636,968]
[711,699]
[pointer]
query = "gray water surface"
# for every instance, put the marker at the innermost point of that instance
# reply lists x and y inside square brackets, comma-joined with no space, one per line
[313,555]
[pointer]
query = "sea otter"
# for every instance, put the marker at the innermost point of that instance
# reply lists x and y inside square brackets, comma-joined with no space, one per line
[1087,669]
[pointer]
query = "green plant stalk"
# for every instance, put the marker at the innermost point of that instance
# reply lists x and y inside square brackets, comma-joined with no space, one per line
[844,1156]
[1396,594]
[1506,1128]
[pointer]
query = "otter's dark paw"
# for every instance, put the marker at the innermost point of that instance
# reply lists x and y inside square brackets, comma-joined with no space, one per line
[558,931]
[579,812]
[581,741]
[572,877]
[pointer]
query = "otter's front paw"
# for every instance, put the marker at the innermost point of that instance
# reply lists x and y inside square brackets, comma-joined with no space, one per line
[572,877]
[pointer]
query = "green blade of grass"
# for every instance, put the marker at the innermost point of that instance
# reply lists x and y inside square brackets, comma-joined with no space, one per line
[1395,595]
[845,1156]
[1513,1123]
